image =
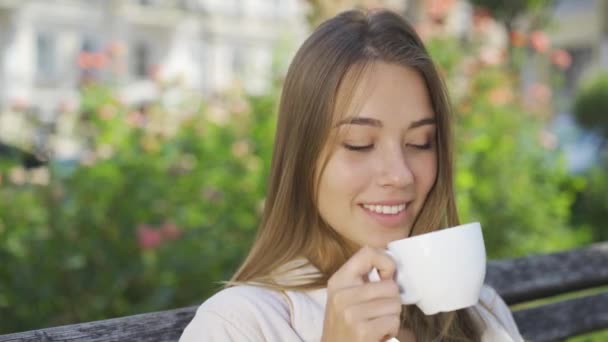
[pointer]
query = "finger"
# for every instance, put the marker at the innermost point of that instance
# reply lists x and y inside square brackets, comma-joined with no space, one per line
[371,310]
[386,289]
[379,328]
[355,270]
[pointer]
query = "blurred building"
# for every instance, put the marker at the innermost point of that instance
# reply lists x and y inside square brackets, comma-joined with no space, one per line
[48,47]
[581,28]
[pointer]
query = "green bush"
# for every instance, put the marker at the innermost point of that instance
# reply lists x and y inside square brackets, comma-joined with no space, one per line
[149,218]
[591,206]
[510,175]
[591,105]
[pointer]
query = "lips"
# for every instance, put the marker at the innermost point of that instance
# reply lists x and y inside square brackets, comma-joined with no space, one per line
[390,214]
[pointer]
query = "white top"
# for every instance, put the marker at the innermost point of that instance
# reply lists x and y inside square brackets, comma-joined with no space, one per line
[254,313]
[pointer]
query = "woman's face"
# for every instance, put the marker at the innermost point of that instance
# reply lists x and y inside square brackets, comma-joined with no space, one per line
[383,163]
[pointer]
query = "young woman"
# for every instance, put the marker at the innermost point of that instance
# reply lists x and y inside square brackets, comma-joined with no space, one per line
[362,157]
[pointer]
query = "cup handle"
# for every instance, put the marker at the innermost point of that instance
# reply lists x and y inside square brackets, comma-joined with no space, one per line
[406,298]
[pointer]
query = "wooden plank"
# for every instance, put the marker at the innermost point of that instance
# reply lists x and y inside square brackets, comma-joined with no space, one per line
[546,323]
[516,280]
[563,319]
[150,327]
[540,276]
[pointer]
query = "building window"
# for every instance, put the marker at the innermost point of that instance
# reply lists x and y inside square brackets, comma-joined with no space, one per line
[238,63]
[142,60]
[90,44]
[581,60]
[569,6]
[45,56]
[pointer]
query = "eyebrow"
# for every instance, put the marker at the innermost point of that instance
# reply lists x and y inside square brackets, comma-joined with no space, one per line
[377,123]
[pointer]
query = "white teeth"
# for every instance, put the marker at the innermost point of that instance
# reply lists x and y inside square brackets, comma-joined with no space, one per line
[385,209]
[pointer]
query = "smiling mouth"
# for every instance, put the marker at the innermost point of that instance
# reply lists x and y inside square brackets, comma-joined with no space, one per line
[385,209]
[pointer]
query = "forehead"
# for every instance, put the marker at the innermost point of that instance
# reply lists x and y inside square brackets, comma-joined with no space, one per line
[383,91]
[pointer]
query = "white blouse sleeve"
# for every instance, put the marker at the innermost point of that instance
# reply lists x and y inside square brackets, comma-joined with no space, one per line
[241,313]
[209,326]
[497,317]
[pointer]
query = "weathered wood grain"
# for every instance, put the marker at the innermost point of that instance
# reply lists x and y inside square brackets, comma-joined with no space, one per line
[564,319]
[540,276]
[151,327]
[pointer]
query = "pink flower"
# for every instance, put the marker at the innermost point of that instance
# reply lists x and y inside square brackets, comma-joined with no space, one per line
[561,58]
[19,104]
[106,112]
[547,140]
[170,231]
[491,56]
[116,48]
[500,96]
[154,72]
[92,60]
[148,237]
[240,149]
[482,19]
[66,106]
[540,92]
[540,41]
[438,9]
[517,38]
[136,119]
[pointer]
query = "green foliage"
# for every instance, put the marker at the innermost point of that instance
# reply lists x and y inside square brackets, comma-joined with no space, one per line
[591,207]
[507,11]
[601,335]
[149,219]
[506,178]
[591,105]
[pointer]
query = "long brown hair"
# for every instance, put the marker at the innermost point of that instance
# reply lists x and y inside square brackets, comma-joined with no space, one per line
[329,62]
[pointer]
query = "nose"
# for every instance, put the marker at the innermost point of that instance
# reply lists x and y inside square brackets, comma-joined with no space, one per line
[394,170]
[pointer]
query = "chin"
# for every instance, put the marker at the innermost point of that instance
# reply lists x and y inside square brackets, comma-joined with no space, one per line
[380,242]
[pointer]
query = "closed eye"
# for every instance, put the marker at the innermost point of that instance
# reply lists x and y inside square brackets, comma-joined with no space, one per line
[426,146]
[358,147]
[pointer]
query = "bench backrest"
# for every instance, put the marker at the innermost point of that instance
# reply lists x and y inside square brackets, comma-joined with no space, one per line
[517,280]
[543,276]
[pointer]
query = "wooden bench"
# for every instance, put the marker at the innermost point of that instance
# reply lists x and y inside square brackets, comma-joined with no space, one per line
[517,280]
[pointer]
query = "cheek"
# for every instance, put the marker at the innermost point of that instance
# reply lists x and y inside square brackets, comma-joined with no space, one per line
[342,178]
[341,182]
[425,172]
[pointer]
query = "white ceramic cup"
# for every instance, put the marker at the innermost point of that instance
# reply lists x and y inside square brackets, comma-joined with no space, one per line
[440,271]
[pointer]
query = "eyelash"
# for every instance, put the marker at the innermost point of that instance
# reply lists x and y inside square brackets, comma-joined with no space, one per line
[358,148]
[426,146]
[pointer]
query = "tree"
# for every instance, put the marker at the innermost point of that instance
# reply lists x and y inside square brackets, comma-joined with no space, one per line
[508,12]
[591,106]
[591,206]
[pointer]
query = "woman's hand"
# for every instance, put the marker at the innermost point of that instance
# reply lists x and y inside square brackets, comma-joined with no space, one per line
[358,310]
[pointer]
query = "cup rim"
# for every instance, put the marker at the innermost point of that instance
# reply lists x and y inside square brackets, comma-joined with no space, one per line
[469,225]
